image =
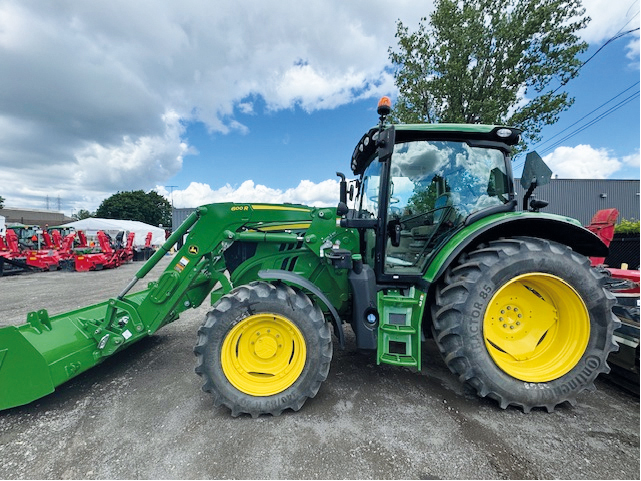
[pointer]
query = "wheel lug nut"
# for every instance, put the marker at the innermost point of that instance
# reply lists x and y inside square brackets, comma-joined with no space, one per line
[518,323]
[501,319]
[511,327]
[502,311]
[504,325]
[509,308]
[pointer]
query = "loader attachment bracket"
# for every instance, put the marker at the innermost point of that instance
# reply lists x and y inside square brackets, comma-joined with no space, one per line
[39,320]
[122,323]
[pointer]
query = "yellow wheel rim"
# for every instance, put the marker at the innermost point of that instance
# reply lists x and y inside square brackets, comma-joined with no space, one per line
[536,327]
[263,354]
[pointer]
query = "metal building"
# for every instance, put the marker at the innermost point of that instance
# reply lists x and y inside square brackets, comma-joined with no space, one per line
[582,198]
[34,217]
[178,216]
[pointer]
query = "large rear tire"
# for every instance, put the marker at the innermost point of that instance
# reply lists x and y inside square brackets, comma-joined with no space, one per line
[263,348]
[525,321]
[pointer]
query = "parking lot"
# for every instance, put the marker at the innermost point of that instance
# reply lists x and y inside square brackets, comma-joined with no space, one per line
[142,414]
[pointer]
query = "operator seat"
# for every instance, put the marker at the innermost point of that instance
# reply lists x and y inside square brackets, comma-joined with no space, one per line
[443,212]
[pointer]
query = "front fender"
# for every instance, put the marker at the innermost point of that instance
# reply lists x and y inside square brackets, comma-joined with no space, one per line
[563,230]
[304,283]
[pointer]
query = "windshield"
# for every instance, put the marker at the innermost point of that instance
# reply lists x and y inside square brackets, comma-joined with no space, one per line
[473,178]
[434,186]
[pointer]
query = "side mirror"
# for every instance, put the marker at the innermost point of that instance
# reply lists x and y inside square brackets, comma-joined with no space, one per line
[497,185]
[535,170]
[535,173]
[394,232]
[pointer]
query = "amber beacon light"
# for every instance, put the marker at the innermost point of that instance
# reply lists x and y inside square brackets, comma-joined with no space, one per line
[384,106]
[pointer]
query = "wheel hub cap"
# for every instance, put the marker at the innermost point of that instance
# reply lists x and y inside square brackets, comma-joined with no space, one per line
[263,354]
[536,327]
[265,347]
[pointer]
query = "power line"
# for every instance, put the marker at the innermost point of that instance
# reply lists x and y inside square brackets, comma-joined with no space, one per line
[594,121]
[588,124]
[611,39]
[540,144]
[616,36]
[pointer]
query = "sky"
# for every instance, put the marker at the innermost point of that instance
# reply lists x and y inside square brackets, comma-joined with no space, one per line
[247,100]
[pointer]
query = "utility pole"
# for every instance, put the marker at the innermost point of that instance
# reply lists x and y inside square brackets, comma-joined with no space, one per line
[171,193]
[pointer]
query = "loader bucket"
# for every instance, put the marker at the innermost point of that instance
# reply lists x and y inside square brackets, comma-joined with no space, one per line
[24,373]
[46,352]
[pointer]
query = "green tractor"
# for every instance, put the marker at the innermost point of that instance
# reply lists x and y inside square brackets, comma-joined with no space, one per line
[433,246]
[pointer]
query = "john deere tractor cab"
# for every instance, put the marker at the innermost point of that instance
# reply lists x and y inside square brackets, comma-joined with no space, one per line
[433,246]
[428,188]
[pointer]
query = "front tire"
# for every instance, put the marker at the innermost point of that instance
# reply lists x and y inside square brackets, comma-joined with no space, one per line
[263,348]
[526,322]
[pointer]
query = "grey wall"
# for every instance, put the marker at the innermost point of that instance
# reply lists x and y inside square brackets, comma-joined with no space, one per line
[582,198]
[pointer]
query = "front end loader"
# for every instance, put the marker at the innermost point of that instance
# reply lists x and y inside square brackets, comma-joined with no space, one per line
[434,246]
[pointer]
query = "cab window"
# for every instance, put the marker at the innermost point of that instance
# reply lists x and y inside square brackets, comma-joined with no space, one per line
[434,186]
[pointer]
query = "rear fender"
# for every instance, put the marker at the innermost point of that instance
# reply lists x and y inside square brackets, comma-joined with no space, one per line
[563,230]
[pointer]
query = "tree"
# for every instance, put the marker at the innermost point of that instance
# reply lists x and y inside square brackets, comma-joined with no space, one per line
[489,61]
[150,208]
[83,214]
[1,202]
[627,227]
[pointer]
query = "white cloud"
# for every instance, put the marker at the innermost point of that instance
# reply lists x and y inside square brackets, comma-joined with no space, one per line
[306,192]
[583,162]
[632,160]
[133,163]
[611,17]
[634,48]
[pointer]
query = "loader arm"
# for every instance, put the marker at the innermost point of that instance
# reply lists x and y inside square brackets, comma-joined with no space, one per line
[50,350]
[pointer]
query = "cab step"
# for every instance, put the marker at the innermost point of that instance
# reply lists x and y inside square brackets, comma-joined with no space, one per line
[399,329]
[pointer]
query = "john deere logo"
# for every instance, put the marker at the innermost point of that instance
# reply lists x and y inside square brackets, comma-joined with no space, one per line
[193,250]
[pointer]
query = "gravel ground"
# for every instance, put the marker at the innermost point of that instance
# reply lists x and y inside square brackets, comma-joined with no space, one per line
[141,414]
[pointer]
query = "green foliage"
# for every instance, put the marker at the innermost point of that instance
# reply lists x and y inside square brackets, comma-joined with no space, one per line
[489,61]
[83,214]
[627,227]
[422,200]
[150,208]
[1,202]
